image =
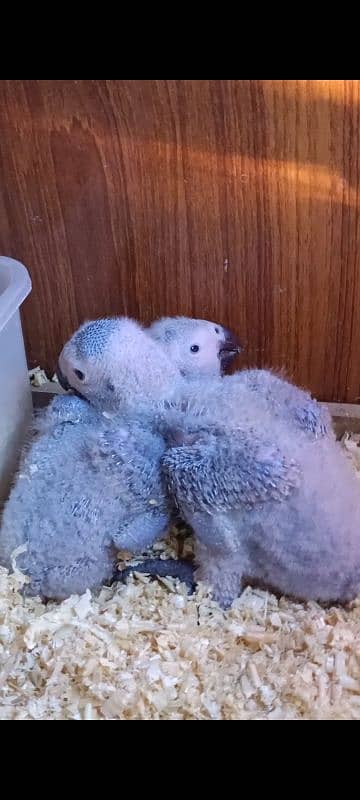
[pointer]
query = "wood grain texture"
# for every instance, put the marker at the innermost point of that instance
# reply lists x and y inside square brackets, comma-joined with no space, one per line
[232,200]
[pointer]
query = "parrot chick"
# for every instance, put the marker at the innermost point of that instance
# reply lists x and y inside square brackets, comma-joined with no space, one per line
[90,484]
[85,490]
[266,507]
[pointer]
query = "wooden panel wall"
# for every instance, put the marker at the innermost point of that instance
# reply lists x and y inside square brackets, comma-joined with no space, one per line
[232,200]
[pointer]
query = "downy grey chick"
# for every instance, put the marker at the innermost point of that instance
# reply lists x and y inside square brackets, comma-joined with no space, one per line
[232,397]
[73,369]
[90,483]
[266,506]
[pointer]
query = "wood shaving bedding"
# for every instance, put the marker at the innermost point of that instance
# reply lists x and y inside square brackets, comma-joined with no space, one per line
[148,651]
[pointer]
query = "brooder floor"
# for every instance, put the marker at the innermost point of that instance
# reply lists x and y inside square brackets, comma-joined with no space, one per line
[147,651]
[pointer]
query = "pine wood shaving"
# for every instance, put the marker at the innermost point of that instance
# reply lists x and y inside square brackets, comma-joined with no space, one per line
[38,377]
[351,442]
[148,651]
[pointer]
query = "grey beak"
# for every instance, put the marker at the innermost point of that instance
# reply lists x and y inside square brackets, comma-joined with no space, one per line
[229,349]
[231,342]
[64,383]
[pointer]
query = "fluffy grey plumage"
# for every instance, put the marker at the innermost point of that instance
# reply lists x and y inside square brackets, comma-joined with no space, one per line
[275,398]
[216,346]
[86,488]
[99,363]
[200,349]
[118,367]
[97,477]
[230,396]
[236,399]
[266,504]
[91,483]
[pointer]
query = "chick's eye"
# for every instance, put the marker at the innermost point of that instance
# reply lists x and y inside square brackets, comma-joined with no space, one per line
[80,375]
[194,348]
[217,330]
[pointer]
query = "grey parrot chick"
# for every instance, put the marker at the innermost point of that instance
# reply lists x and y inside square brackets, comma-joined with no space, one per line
[90,483]
[87,487]
[197,347]
[232,401]
[267,507]
[201,349]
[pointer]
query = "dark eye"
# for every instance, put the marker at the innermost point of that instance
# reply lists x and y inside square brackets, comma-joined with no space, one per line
[194,348]
[111,387]
[217,330]
[79,374]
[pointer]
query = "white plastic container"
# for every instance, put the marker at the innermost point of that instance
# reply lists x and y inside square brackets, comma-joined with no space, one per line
[15,392]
